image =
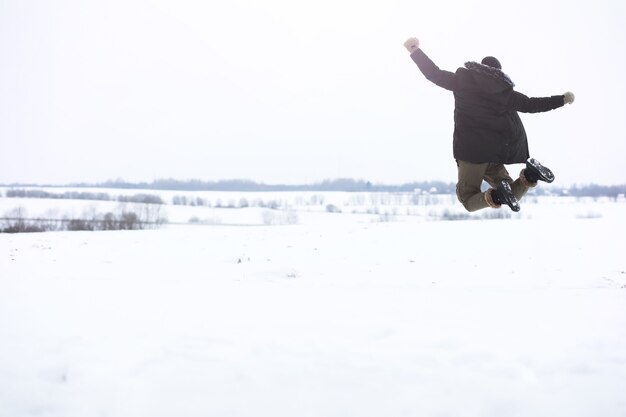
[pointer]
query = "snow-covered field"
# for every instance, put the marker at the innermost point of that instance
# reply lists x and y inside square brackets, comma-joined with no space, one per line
[375,311]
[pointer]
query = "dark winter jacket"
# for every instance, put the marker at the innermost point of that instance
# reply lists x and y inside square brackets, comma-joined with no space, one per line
[487,127]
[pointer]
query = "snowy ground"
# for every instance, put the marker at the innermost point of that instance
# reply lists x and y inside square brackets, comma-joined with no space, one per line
[338,315]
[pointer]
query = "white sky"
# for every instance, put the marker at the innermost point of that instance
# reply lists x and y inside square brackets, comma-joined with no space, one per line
[286,91]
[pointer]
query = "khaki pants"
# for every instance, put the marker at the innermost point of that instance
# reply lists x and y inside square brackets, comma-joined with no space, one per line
[471,177]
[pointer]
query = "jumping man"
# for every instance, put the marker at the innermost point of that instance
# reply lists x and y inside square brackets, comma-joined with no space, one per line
[488,132]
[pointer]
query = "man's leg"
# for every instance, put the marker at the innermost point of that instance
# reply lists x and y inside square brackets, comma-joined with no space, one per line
[468,186]
[496,173]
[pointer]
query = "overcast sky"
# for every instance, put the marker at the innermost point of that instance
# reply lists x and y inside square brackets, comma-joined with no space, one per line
[287,91]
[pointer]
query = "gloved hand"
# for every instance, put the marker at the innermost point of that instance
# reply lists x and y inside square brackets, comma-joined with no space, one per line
[568,97]
[412,44]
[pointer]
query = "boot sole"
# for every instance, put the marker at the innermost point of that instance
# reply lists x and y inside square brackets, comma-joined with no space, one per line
[508,196]
[544,173]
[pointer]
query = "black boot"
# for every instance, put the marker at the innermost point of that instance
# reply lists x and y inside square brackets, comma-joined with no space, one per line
[504,195]
[536,172]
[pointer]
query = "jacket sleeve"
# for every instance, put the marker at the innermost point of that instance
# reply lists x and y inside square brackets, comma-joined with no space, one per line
[520,102]
[442,78]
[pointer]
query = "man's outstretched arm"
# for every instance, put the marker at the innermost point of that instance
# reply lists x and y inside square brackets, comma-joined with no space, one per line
[520,102]
[442,78]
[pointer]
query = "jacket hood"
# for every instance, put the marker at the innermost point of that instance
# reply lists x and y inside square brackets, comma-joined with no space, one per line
[492,78]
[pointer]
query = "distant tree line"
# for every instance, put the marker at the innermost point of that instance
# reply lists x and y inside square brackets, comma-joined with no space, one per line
[125,221]
[349,185]
[343,184]
[182,200]
[23,193]
[17,221]
[74,195]
[596,191]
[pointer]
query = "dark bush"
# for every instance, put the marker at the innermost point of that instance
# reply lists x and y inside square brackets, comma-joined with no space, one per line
[141,198]
[16,222]
[78,224]
[22,227]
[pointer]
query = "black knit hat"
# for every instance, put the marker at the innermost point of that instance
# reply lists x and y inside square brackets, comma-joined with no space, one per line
[491,61]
